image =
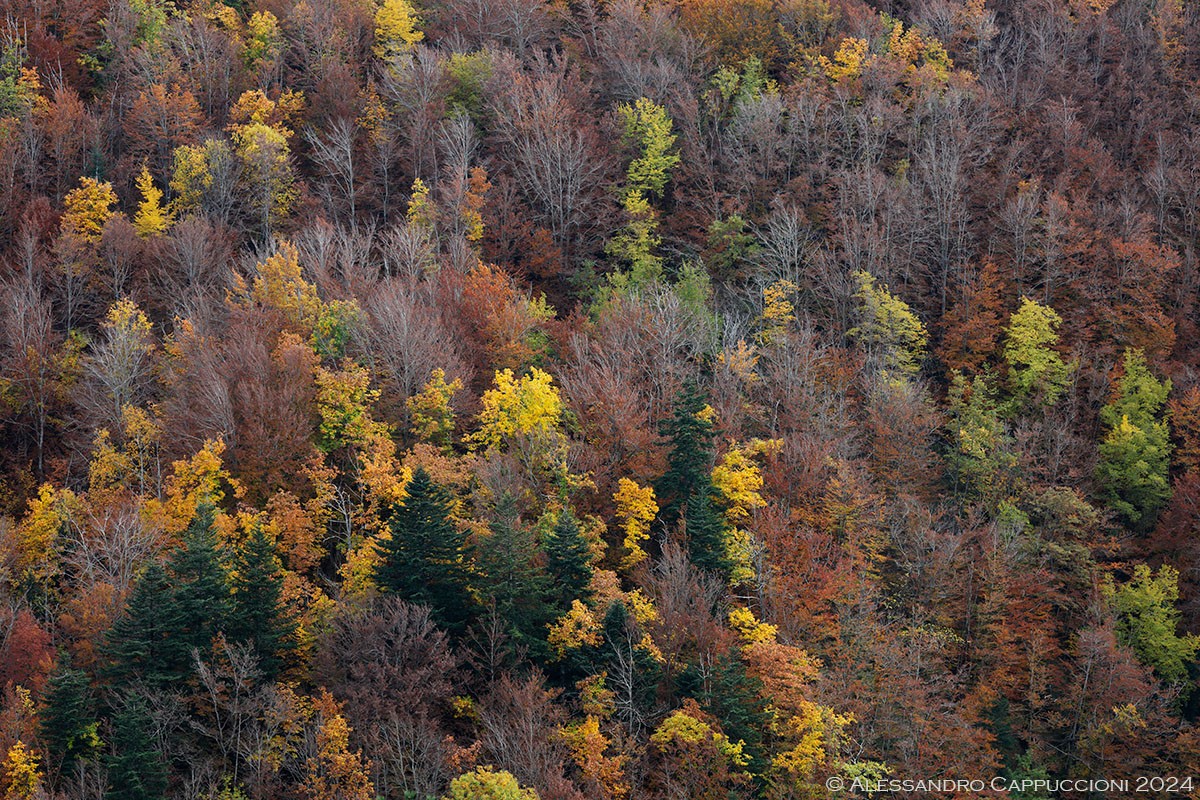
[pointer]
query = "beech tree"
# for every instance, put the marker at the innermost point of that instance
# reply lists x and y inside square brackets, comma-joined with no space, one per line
[1136,451]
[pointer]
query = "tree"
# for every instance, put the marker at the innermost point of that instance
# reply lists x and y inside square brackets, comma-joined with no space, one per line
[258,614]
[201,592]
[692,758]
[888,329]
[707,535]
[394,690]
[135,767]
[1035,368]
[22,777]
[1148,621]
[265,158]
[119,367]
[690,431]
[152,218]
[485,783]
[530,404]
[395,29]
[980,454]
[143,645]
[431,409]
[1136,452]
[647,128]
[514,581]
[568,558]
[636,508]
[424,556]
[69,728]
[87,208]
[335,772]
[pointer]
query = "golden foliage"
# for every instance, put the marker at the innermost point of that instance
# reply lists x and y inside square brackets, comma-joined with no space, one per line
[636,508]
[152,218]
[88,207]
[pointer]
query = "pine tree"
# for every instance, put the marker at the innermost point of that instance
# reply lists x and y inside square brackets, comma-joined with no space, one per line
[135,769]
[568,558]
[68,718]
[512,579]
[144,643]
[258,615]
[424,561]
[201,579]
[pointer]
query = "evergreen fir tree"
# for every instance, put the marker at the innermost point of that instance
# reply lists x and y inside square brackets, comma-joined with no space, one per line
[135,769]
[513,579]
[68,717]
[201,592]
[726,691]
[632,673]
[706,535]
[569,559]
[144,643]
[689,464]
[424,561]
[258,615]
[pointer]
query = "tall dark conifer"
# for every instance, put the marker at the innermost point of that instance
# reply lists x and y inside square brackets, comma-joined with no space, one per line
[568,558]
[258,615]
[512,579]
[144,643]
[201,584]
[135,768]
[686,490]
[689,464]
[68,717]
[706,535]
[425,561]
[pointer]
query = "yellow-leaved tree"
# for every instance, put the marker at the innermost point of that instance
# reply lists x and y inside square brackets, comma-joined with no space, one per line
[87,208]
[636,508]
[22,776]
[529,405]
[152,217]
[739,482]
[40,533]
[334,770]
[432,414]
[395,29]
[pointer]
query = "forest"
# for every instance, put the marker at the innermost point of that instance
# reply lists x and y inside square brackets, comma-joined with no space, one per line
[598,399]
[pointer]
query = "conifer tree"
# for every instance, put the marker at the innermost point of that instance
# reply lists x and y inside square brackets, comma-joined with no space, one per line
[707,538]
[725,690]
[424,561]
[687,487]
[135,769]
[144,643]
[512,579]
[68,718]
[258,615]
[690,431]
[569,559]
[201,578]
